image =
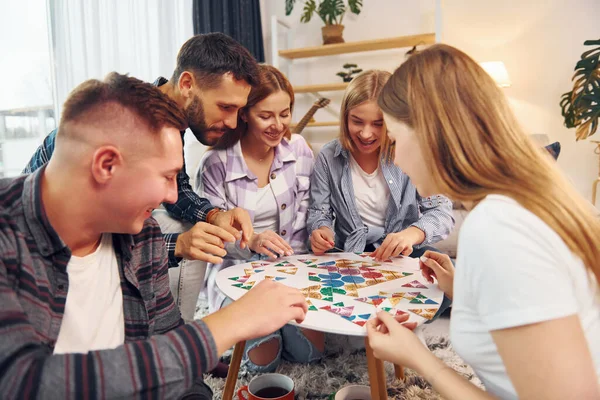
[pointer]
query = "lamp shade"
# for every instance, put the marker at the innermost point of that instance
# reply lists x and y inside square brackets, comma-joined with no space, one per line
[498,72]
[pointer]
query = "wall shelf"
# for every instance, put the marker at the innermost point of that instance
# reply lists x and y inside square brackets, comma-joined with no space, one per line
[326,87]
[318,124]
[355,47]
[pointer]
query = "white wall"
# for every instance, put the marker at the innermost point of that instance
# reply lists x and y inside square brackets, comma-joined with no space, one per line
[539,41]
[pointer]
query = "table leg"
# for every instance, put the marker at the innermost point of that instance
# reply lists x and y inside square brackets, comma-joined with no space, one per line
[234,368]
[399,372]
[376,374]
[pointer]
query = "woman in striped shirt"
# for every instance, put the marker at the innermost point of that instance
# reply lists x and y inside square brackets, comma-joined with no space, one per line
[359,200]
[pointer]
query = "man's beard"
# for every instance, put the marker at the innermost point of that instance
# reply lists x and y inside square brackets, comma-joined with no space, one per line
[198,126]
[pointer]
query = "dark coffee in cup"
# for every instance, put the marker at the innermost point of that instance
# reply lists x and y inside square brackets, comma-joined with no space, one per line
[271,392]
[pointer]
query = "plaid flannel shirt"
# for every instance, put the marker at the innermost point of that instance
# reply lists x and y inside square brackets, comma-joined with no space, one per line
[332,204]
[224,178]
[189,206]
[160,358]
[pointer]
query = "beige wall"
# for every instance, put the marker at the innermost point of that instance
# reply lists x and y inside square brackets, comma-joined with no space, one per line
[539,41]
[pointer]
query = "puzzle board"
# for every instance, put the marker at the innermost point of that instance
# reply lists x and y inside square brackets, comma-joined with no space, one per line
[343,290]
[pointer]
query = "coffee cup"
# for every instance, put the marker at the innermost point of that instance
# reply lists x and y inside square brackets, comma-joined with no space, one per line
[268,387]
[354,392]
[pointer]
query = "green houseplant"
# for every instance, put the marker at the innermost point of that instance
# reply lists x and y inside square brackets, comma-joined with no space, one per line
[331,13]
[351,70]
[581,106]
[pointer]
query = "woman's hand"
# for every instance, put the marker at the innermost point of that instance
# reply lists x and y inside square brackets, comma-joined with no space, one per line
[398,243]
[321,240]
[392,340]
[438,266]
[269,243]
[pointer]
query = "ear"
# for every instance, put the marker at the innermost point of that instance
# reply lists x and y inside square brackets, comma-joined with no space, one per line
[105,163]
[244,115]
[186,84]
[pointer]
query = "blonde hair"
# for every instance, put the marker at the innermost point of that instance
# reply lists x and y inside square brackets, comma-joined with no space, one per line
[270,80]
[477,147]
[364,87]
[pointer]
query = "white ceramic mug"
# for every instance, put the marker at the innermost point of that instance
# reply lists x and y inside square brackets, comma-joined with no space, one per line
[354,392]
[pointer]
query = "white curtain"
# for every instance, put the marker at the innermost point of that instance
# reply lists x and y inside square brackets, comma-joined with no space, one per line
[91,38]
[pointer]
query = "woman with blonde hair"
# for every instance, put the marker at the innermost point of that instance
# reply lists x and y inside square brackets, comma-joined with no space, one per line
[526,305]
[264,169]
[359,200]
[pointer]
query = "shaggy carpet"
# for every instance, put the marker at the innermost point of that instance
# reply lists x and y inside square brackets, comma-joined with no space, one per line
[345,364]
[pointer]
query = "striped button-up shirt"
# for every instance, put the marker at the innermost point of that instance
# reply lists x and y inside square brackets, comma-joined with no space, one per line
[160,358]
[189,206]
[225,179]
[332,204]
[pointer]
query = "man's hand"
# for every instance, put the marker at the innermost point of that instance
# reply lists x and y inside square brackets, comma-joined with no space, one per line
[321,240]
[264,309]
[234,221]
[438,266]
[203,242]
[268,242]
[398,243]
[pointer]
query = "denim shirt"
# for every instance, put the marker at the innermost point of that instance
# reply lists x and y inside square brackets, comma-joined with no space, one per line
[332,204]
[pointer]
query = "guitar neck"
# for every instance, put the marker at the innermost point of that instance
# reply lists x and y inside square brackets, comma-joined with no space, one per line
[306,119]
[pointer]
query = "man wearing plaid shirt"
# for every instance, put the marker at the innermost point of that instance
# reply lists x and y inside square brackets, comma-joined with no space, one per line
[85,306]
[211,83]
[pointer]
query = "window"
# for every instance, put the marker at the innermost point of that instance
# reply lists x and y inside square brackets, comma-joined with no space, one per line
[26,105]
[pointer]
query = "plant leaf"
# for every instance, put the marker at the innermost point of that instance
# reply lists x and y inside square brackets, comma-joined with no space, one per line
[355,6]
[309,8]
[289,6]
[581,107]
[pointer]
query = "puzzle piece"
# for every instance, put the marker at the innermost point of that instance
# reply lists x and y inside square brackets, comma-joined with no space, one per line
[250,271]
[340,309]
[245,286]
[318,292]
[427,313]
[311,307]
[308,261]
[358,319]
[240,279]
[285,263]
[259,264]
[415,284]
[291,271]
[274,278]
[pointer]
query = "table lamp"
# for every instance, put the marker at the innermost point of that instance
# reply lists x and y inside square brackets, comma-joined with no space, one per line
[498,72]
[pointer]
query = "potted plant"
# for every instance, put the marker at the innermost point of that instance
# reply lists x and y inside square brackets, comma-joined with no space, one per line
[581,106]
[331,13]
[351,70]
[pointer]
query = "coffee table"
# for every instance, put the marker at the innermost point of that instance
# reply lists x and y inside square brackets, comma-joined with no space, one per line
[343,291]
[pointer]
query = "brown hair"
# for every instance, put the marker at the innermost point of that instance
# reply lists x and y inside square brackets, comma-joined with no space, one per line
[208,56]
[476,146]
[271,80]
[143,99]
[364,87]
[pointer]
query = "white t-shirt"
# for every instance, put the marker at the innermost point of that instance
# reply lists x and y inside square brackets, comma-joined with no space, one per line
[266,215]
[93,318]
[371,194]
[512,270]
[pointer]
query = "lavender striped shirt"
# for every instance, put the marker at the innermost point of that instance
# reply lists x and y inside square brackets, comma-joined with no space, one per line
[226,181]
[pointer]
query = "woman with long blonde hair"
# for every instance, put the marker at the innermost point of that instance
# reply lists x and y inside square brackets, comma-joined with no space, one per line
[526,305]
[359,200]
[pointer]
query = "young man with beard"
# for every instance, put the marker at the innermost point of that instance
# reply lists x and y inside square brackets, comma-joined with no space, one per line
[85,306]
[211,82]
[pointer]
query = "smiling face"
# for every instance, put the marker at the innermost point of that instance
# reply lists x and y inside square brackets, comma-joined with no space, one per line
[269,119]
[366,127]
[213,112]
[409,156]
[139,185]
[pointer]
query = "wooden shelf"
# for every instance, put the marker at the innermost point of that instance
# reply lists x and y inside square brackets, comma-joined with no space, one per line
[318,124]
[326,87]
[354,47]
